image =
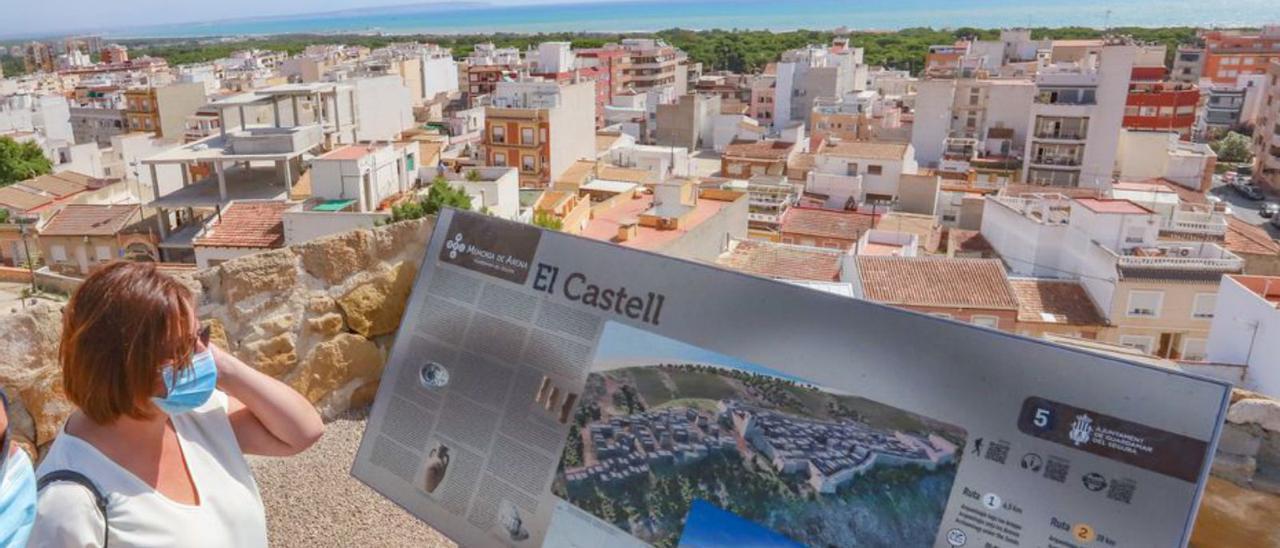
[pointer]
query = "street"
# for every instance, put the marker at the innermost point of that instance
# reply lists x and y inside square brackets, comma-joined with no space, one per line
[1246,209]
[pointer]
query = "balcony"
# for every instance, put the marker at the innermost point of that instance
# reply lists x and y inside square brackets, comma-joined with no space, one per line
[1061,135]
[1055,161]
[1201,257]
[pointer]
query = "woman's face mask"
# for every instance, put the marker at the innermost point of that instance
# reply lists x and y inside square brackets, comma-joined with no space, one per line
[17,495]
[189,388]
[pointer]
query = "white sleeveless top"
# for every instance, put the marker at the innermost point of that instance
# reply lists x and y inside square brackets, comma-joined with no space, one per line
[230,512]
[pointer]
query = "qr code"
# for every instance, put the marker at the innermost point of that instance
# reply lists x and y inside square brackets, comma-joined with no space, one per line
[1122,491]
[1056,470]
[997,452]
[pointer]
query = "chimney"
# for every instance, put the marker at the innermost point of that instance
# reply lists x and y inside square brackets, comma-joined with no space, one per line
[628,230]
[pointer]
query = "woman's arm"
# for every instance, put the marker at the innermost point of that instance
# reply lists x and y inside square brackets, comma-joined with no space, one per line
[268,417]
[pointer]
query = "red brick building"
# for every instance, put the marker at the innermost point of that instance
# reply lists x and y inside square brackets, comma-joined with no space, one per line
[1156,104]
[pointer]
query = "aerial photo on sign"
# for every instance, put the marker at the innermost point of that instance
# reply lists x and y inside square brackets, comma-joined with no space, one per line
[663,424]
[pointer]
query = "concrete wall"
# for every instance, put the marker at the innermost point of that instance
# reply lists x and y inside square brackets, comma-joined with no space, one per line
[383,108]
[932,119]
[304,226]
[1246,330]
[573,127]
[706,241]
[175,103]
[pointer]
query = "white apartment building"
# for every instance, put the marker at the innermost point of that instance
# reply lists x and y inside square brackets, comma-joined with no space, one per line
[1162,155]
[1074,127]
[554,57]
[1246,330]
[365,175]
[495,190]
[854,172]
[1141,267]
[44,119]
[487,54]
[813,72]
[969,108]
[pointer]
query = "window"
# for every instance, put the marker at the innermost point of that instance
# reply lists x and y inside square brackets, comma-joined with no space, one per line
[851,169]
[874,170]
[499,159]
[526,136]
[1194,350]
[1134,235]
[527,164]
[1139,342]
[499,134]
[990,322]
[103,253]
[1145,304]
[1202,307]
[940,315]
[59,253]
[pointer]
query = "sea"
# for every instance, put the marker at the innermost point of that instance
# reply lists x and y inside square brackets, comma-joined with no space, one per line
[778,15]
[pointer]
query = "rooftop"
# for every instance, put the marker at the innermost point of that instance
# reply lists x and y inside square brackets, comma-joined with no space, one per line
[249,224]
[349,152]
[866,149]
[1117,206]
[765,150]
[92,220]
[938,282]
[826,223]
[604,225]
[1062,302]
[1266,287]
[782,261]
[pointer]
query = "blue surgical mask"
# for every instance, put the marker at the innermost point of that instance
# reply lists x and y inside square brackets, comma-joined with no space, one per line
[17,499]
[189,388]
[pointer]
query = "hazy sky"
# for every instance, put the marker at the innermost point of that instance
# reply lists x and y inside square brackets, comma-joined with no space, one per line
[52,16]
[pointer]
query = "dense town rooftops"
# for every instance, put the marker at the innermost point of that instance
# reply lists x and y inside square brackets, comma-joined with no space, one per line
[92,220]
[1063,302]
[249,224]
[936,282]
[826,223]
[783,261]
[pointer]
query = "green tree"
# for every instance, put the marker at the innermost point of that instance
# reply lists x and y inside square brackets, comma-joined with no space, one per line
[21,161]
[548,221]
[1232,147]
[442,194]
[4,215]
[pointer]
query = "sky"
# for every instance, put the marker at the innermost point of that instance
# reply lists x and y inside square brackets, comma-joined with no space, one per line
[55,16]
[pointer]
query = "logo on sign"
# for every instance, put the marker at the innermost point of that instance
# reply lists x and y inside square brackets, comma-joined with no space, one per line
[455,246]
[1081,429]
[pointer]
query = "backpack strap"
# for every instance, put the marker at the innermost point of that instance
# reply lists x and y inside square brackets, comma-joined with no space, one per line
[80,479]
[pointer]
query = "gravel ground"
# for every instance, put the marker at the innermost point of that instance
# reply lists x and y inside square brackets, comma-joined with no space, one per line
[312,500]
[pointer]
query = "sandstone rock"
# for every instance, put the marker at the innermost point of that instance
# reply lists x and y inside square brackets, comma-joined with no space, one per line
[319,303]
[271,271]
[1234,516]
[375,308]
[274,356]
[335,258]
[1238,394]
[405,240]
[1240,439]
[1262,412]
[48,406]
[279,323]
[364,395]
[1235,468]
[335,363]
[328,324]
[217,333]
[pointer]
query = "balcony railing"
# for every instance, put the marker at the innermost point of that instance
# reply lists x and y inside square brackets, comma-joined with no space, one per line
[1065,135]
[1183,263]
[1055,161]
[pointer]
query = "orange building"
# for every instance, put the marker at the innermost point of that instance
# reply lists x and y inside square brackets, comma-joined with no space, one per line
[1230,54]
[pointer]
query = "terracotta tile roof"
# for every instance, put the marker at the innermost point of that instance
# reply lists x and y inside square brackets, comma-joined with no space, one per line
[923,226]
[783,261]
[91,220]
[866,149]
[252,224]
[936,282]
[764,150]
[21,200]
[1243,237]
[350,152]
[826,223]
[61,184]
[1054,301]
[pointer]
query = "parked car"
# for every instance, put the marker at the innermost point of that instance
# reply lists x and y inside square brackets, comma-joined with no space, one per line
[1269,209]
[1247,190]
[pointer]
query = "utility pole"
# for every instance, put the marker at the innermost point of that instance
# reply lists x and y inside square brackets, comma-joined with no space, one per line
[26,250]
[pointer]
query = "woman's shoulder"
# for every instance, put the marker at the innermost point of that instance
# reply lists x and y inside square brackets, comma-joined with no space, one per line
[67,514]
